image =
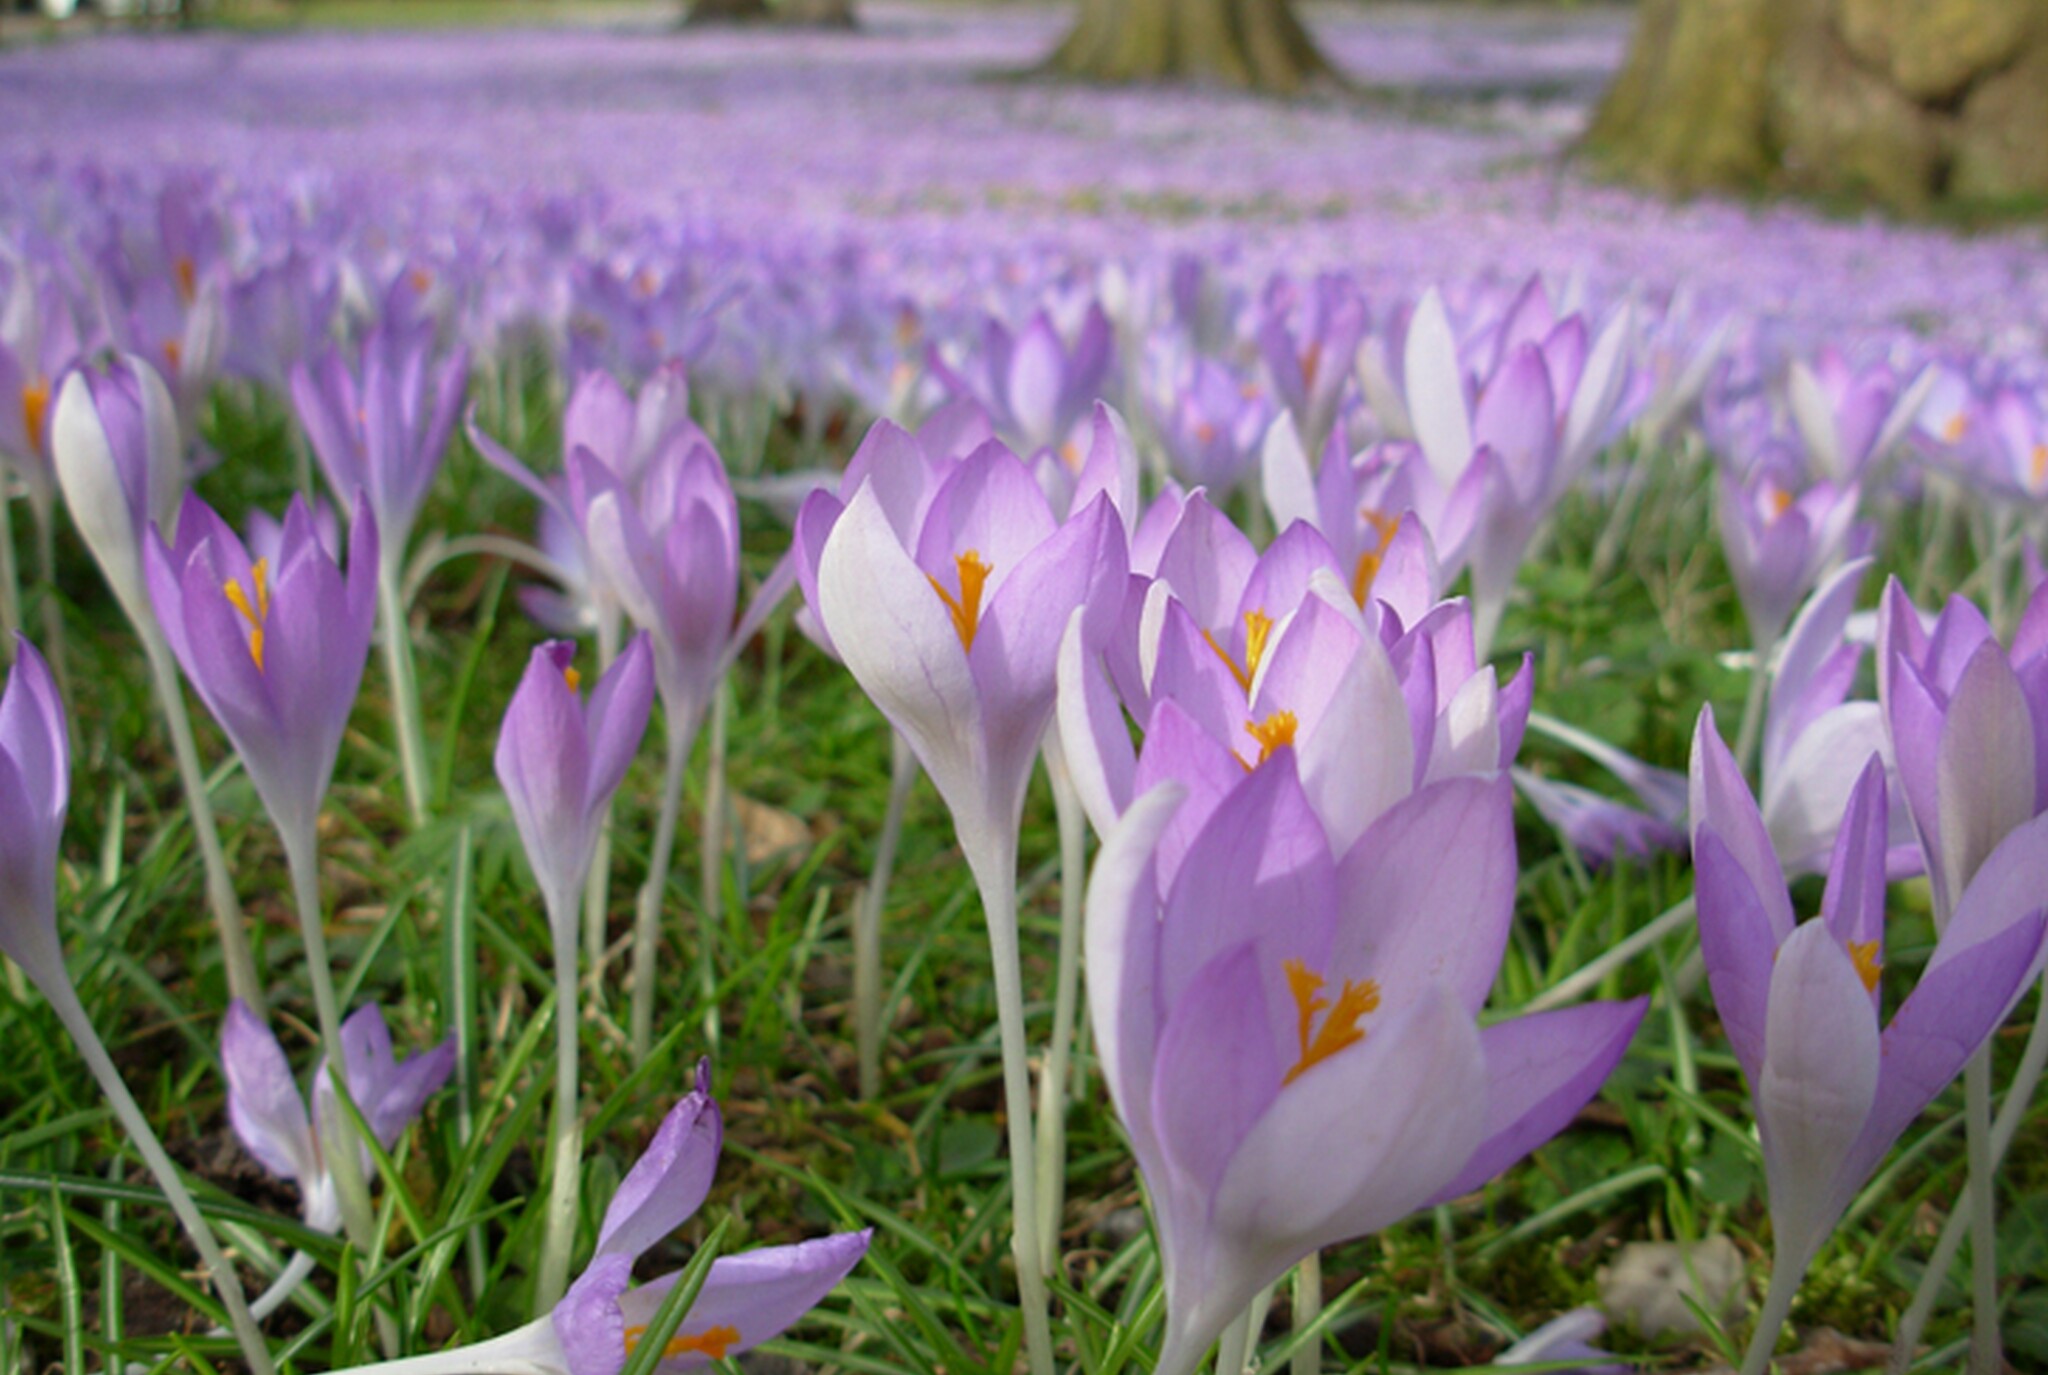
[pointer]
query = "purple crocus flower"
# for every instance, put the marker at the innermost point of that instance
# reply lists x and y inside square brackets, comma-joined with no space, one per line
[114,439]
[1781,542]
[1273,999]
[1310,367]
[35,790]
[1968,723]
[276,651]
[1034,386]
[1848,418]
[1801,1002]
[747,1298]
[560,759]
[382,427]
[270,1116]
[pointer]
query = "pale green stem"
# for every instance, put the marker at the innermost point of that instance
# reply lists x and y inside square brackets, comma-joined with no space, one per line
[284,1286]
[2021,1094]
[1751,734]
[1777,1307]
[244,981]
[405,690]
[338,1141]
[41,508]
[711,895]
[647,915]
[10,578]
[1569,988]
[63,999]
[1052,1087]
[1308,1307]
[1987,1356]
[565,1133]
[1233,1344]
[867,920]
[460,928]
[995,875]
[597,884]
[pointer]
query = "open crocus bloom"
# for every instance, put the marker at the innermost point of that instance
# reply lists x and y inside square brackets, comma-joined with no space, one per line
[1801,1002]
[1290,1035]
[275,650]
[270,1116]
[746,1299]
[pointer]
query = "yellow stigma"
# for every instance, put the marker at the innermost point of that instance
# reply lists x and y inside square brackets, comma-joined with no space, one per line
[1258,627]
[1868,967]
[1273,732]
[572,677]
[35,407]
[2037,464]
[1777,499]
[174,354]
[1956,426]
[713,1343]
[1340,1028]
[1369,562]
[188,278]
[1071,455]
[966,607]
[257,612]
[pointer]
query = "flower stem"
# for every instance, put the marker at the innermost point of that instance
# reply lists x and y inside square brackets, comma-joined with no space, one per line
[711,904]
[1234,1344]
[64,1002]
[647,915]
[597,884]
[1052,1086]
[41,508]
[405,688]
[1987,1356]
[2018,1097]
[284,1286]
[338,1141]
[10,577]
[995,873]
[1307,1306]
[1777,1307]
[1751,733]
[244,981]
[867,920]
[565,1133]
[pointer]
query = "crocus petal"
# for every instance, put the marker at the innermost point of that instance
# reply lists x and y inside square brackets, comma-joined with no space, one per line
[1720,799]
[1737,943]
[1436,389]
[264,1104]
[1217,1068]
[1100,760]
[1985,765]
[588,1321]
[1540,1070]
[1854,905]
[617,719]
[1817,1086]
[749,1298]
[1121,938]
[672,1177]
[1807,792]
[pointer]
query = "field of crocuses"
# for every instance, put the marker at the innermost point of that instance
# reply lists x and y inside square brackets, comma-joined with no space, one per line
[1193,733]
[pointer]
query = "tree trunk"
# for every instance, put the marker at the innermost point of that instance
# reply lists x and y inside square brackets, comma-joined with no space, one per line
[728,12]
[1248,44]
[1905,102]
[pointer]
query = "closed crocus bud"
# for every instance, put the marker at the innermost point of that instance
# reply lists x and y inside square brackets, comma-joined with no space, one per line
[35,786]
[275,650]
[560,759]
[114,437]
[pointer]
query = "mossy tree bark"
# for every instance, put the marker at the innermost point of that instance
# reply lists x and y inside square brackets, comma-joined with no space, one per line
[1906,102]
[1249,44]
[821,14]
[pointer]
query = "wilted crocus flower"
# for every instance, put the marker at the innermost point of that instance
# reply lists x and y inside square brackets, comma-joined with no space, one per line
[382,426]
[276,651]
[747,1298]
[560,759]
[270,1116]
[1290,1035]
[114,439]
[1801,1002]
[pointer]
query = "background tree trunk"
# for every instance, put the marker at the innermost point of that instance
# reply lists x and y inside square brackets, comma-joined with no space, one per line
[1906,102]
[728,12]
[1249,44]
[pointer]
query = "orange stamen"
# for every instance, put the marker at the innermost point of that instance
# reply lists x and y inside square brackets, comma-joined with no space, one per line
[255,613]
[2037,464]
[1340,1028]
[1777,499]
[421,279]
[174,354]
[1311,359]
[1205,433]
[713,1343]
[1369,562]
[1071,455]
[572,678]
[1955,427]
[1868,967]
[1258,627]
[35,408]
[1273,732]
[966,608]
[187,277]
